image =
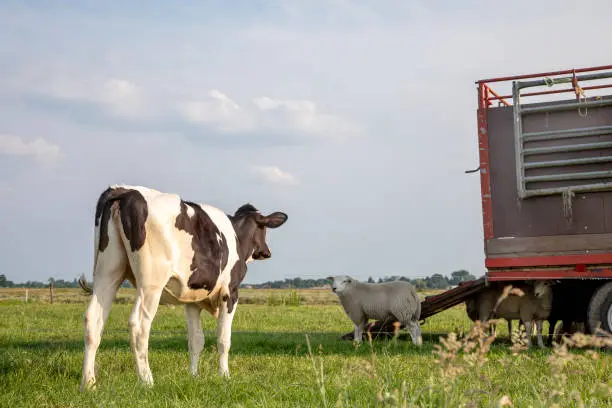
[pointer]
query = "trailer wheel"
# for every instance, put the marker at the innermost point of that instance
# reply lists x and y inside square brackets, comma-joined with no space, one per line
[599,313]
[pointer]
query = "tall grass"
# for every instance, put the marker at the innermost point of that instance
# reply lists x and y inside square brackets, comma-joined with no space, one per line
[290,298]
[467,374]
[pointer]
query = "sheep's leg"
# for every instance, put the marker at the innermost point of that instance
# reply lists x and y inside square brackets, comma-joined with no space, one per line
[415,332]
[359,323]
[551,331]
[484,320]
[509,328]
[566,328]
[528,331]
[484,313]
[483,324]
[359,331]
[539,326]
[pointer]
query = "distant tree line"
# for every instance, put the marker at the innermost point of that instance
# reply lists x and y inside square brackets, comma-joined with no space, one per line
[58,283]
[436,281]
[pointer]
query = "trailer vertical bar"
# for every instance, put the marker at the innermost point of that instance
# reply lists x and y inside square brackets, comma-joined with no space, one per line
[483,149]
[518,139]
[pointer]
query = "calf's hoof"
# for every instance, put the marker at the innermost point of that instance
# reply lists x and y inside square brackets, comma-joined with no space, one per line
[88,385]
[147,380]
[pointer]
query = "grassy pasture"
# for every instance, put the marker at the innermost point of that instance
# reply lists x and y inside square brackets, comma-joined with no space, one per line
[41,351]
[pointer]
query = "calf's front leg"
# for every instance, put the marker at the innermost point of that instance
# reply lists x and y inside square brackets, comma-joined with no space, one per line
[224,336]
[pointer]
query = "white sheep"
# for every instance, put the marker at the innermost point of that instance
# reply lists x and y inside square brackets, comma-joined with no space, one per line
[397,301]
[471,310]
[532,303]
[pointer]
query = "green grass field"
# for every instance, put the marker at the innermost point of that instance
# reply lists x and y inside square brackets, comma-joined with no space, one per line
[41,351]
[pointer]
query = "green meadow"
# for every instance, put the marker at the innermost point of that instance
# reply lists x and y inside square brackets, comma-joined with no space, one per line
[285,352]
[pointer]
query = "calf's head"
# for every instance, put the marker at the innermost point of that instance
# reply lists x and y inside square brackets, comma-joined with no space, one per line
[251,228]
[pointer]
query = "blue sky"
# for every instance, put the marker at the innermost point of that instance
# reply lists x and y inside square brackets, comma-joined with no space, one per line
[356,118]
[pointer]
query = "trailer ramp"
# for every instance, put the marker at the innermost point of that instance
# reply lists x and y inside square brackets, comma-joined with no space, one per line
[435,304]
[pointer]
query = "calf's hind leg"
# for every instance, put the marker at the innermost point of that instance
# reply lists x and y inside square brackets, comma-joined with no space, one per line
[108,275]
[145,308]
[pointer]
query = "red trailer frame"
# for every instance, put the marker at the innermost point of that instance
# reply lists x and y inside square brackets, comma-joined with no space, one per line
[583,257]
[592,266]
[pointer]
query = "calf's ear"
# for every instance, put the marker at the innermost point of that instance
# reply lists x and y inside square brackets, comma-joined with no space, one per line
[274,220]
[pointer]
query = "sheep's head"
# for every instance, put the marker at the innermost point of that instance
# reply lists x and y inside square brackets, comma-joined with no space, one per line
[543,288]
[341,283]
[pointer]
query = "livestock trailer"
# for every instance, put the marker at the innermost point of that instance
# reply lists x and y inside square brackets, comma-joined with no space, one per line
[545,146]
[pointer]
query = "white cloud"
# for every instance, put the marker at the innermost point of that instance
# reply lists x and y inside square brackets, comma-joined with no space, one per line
[274,175]
[264,114]
[39,148]
[119,96]
[218,110]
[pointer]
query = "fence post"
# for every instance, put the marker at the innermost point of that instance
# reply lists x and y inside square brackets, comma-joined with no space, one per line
[51,291]
[26,299]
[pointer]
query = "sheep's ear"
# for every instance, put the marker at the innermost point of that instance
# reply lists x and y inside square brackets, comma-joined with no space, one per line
[330,278]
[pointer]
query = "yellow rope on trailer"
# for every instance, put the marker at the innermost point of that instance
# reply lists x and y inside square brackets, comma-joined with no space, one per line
[579,91]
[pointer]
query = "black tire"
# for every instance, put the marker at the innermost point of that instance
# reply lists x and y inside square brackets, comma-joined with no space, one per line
[599,313]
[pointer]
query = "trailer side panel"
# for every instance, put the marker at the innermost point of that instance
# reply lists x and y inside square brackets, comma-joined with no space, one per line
[538,226]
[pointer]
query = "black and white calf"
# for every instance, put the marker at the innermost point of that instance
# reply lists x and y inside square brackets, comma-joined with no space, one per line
[173,252]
